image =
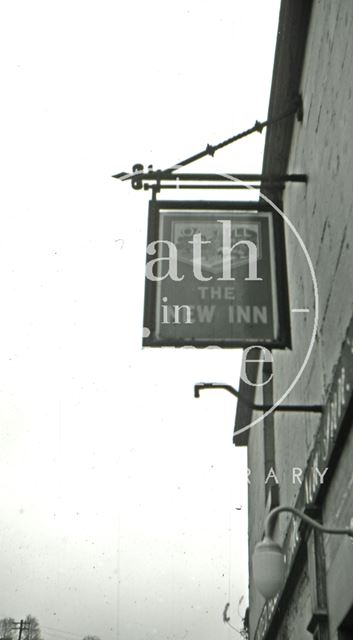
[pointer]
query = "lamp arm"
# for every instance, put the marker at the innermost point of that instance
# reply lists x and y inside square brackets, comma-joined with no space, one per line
[315,408]
[313,523]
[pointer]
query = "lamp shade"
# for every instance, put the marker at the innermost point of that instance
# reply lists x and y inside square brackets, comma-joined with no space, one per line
[268,567]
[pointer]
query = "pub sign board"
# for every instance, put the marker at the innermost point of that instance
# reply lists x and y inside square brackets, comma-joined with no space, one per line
[215,276]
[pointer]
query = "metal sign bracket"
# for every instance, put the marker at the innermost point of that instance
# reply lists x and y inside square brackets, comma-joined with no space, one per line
[168,179]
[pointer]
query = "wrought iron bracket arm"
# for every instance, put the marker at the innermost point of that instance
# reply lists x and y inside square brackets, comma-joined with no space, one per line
[270,518]
[315,408]
[296,108]
[157,179]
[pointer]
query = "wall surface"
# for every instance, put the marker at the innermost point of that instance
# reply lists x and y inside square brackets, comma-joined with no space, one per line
[322,213]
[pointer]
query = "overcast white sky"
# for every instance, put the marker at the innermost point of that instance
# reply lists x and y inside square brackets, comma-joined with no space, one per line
[118,490]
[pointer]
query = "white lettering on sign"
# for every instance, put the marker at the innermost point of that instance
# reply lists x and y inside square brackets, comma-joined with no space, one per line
[247,314]
[205,313]
[216,293]
[176,314]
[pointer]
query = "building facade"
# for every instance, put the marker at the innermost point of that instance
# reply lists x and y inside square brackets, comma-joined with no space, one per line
[305,459]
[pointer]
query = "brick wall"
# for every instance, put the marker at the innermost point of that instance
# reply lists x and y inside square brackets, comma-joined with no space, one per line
[322,212]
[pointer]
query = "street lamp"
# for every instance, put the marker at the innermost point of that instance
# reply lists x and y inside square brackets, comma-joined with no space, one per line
[268,558]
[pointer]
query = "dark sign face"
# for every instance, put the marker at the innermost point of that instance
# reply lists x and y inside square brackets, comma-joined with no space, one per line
[212,276]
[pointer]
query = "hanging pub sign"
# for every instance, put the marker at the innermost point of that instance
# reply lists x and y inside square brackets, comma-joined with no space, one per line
[215,276]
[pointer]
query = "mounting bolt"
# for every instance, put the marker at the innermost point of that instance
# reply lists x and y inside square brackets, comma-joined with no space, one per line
[136,183]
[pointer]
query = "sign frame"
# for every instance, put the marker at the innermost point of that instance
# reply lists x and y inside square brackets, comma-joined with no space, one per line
[282,340]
